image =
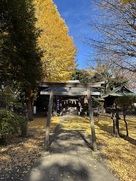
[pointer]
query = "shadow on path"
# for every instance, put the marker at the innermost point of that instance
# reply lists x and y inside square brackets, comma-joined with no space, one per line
[69,159]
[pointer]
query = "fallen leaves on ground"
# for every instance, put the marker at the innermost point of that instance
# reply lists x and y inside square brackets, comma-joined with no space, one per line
[19,155]
[120,153]
[17,158]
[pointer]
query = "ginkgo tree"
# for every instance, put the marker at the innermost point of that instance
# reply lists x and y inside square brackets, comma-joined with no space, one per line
[59,50]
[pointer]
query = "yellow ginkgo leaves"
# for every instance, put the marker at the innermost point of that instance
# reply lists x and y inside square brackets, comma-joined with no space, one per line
[57,46]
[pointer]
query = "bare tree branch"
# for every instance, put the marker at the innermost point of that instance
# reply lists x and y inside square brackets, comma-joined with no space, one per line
[115,42]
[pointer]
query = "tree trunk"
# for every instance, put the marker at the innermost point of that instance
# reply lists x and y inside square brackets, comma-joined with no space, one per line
[29,109]
[24,129]
[116,124]
[124,116]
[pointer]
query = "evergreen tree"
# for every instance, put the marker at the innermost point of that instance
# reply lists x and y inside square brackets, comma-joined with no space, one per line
[20,54]
[84,76]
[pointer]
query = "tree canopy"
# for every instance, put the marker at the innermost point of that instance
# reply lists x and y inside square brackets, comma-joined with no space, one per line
[84,76]
[59,50]
[19,38]
[20,56]
[116,32]
[98,74]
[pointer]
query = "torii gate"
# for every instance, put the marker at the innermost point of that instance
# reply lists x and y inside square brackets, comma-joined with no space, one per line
[87,92]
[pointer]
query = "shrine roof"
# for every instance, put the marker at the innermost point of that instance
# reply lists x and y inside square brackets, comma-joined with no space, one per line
[119,91]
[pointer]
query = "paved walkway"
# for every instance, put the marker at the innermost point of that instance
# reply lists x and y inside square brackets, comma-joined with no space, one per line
[69,159]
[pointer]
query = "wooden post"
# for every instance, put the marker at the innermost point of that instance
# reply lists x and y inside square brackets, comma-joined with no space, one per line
[115,117]
[49,120]
[116,124]
[91,119]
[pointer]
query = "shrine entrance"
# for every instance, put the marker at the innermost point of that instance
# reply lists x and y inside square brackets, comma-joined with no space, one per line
[70,89]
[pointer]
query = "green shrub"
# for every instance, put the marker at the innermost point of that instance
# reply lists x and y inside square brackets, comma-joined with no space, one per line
[126,103]
[10,123]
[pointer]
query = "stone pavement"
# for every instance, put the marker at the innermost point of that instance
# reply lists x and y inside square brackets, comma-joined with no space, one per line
[69,159]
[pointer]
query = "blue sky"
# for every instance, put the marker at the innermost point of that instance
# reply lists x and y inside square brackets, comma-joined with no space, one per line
[76,13]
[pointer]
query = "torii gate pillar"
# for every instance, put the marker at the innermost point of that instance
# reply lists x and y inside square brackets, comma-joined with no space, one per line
[94,145]
[47,137]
